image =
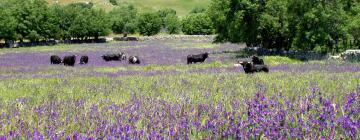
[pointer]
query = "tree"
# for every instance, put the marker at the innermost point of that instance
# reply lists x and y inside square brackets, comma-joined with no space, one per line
[163,13]
[197,24]
[280,24]
[149,24]
[317,25]
[353,26]
[273,25]
[8,24]
[34,20]
[173,24]
[89,23]
[121,16]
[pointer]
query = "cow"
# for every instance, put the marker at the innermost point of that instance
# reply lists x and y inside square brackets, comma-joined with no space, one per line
[69,60]
[54,59]
[112,57]
[134,60]
[257,61]
[249,67]
[197,58]
[84,60]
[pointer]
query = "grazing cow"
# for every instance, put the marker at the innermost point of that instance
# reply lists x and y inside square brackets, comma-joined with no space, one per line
[54,59]
[257,61]
[197,58]
[84,60]
[251,68]
[134,60]
[112,57]
[69,60]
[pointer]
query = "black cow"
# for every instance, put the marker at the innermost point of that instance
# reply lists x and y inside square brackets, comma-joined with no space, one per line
[84,59]
[257,61]
[69,60]
[134,60]
[54,59]
[197,58]
[251,68]
[112,57]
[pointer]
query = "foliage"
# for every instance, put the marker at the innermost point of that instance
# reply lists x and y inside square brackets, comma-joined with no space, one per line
[197,24]
[163,13]
[123,16]
[113,2]
[285,24]
[7,24]
[173,24]
[198,10]
[149,24]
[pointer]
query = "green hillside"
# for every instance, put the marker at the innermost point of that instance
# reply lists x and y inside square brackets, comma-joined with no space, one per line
[181,6]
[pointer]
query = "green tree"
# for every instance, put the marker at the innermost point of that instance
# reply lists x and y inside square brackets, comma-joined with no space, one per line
[89,23]
[34,20]
[197,24]
[149,24]
[8,24]
[237,21]
[317,25]
[281,24]
[163,13]
[353,26]
[123,16]
[173,24]
[273,25]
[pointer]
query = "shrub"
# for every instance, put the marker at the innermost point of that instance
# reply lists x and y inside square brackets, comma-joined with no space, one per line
[198,10]
[172,24]
[149,24]
[197,24]
[113,2]
[122,16]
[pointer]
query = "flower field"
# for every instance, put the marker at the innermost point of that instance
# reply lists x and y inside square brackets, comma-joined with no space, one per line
[163,98]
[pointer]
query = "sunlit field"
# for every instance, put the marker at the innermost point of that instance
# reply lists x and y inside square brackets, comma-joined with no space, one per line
[164,98]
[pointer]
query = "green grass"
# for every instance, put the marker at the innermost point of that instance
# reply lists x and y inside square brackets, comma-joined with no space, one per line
[194,87]
[276,60]
[183,7]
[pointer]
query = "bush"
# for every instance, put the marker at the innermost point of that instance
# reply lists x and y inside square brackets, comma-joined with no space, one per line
[7,24]
[122,16]
[163,13]
[90,23]
[149,24]
[113,2]
[198,10]
[197,24]
[172,24]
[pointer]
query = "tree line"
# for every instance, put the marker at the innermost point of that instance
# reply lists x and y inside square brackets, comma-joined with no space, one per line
[320,25]
[36,20]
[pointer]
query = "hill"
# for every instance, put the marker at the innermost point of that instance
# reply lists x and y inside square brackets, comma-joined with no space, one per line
[181,6]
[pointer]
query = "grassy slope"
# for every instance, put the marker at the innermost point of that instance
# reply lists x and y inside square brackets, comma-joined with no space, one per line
[181,6]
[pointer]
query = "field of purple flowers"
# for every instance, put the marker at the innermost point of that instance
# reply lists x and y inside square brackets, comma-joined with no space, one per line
[163,98]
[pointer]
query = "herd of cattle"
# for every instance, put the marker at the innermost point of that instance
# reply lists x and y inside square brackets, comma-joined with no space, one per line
[256,65]
[70,60]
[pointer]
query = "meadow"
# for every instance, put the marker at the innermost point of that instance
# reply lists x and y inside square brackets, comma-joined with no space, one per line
[164,98]
[182,7]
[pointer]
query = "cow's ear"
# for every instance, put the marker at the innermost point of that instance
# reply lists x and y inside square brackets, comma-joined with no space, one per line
[241,62]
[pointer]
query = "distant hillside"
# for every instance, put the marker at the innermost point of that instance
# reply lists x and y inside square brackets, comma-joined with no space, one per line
[181,6]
